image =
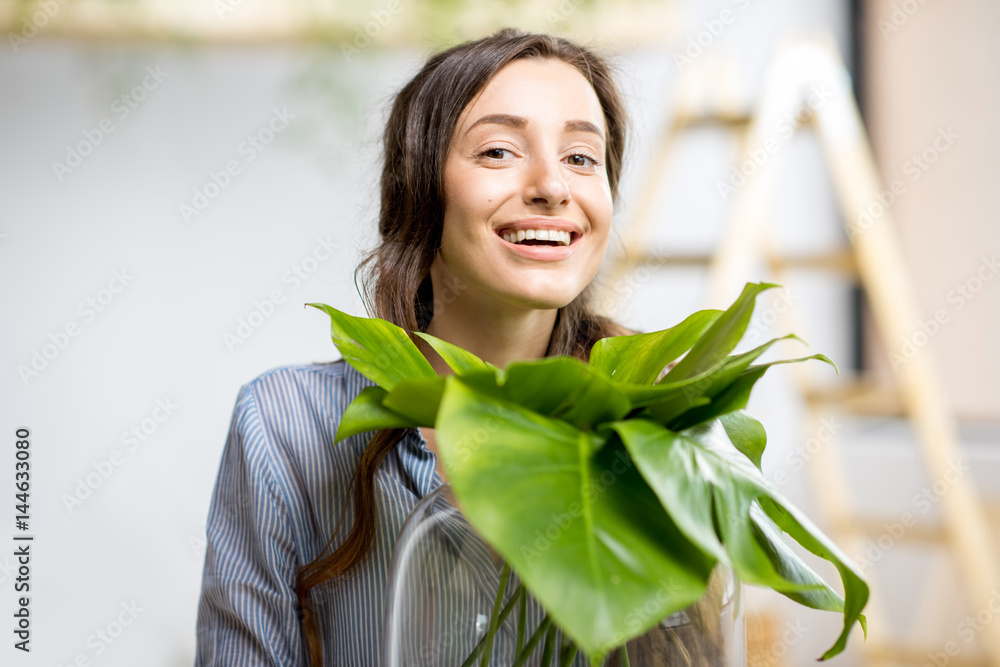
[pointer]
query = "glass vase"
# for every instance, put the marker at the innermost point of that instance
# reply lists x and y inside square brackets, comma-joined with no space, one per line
[443,591]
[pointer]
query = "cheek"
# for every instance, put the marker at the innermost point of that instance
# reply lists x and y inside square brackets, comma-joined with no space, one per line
[600,209]
[471,200]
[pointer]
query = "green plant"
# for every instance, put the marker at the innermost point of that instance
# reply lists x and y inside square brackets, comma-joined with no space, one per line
[532,441]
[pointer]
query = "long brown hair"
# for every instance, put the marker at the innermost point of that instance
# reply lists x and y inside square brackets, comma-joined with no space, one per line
[396,274]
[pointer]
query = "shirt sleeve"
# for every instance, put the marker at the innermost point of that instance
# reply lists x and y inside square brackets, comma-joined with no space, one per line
[248,612]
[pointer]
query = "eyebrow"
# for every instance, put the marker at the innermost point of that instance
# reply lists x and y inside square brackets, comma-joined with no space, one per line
[519,122]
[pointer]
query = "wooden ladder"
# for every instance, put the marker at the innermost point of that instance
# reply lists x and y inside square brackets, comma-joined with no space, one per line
[873,256]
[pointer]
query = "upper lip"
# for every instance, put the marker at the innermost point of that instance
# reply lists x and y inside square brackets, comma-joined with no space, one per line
[558,224]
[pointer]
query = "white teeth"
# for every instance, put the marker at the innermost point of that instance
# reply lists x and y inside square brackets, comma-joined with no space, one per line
[558,236]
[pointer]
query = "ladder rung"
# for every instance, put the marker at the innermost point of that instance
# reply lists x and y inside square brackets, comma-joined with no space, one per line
[896,653]
[838,260]
[931,533]
[635,259]
[859,397]
[731,119]
[842,261]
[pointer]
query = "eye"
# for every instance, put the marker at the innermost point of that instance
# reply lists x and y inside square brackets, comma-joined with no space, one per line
[494,153]
[583,160]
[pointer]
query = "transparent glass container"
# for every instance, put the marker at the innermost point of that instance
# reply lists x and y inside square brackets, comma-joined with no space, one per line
[444,582]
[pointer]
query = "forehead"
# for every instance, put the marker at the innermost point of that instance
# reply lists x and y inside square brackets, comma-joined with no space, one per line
[545,91]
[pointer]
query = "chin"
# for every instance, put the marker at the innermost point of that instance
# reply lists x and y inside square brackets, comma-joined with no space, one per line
[545,290]
[542,299]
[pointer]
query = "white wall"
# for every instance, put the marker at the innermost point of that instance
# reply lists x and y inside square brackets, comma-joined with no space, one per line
[933,99]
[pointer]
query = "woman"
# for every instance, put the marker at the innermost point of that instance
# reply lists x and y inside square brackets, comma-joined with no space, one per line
[501,165]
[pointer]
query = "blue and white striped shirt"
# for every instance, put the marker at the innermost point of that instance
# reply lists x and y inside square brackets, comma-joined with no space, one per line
[281,485]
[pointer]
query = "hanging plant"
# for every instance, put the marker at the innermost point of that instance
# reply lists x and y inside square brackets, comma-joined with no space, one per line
[532,441]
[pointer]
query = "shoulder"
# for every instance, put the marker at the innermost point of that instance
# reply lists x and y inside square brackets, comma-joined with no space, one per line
[293,406]
[283,435]
[318,387]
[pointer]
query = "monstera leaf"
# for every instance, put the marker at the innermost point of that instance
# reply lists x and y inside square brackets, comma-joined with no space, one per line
[636,477]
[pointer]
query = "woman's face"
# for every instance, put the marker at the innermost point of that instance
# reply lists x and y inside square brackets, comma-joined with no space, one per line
[527,202]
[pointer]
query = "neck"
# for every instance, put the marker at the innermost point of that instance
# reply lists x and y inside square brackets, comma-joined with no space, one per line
[493,330]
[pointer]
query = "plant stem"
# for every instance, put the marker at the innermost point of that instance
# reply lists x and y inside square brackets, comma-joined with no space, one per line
[548,647]
[507,609]
[488,647]
[569,651]
[536,636]
[522,616]
[623,656]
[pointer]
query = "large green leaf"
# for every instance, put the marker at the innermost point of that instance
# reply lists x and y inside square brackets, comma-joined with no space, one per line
[721,338]
[366,413]
[543,385]
[801,529]
[562,387]
[735,396]
[818,595]
[641,357]
[705,457]
[379,350]
[597,399]
[416,399]
[546,495]
[712,382]
[459,360]
[722,484]
[746,433]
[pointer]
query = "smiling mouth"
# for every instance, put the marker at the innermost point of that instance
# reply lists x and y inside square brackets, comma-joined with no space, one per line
[548,237]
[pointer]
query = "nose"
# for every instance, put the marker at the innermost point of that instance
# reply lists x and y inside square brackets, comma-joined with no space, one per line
[546,184]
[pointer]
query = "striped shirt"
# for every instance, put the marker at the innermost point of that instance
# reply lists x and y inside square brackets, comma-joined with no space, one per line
[281,485]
